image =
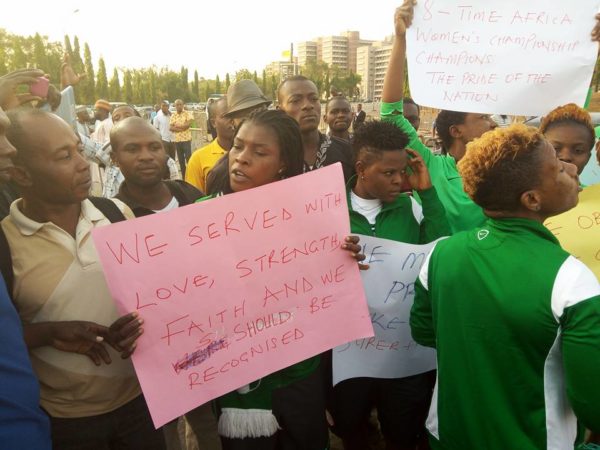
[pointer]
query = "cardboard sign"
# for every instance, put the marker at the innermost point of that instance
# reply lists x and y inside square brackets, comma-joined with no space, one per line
[389,285]
[501,56]
[235,288]
[578,230]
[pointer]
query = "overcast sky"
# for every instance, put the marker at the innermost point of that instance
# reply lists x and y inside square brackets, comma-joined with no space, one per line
[212,36]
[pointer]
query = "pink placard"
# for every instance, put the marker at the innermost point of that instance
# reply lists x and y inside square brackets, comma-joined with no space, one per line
[237,287]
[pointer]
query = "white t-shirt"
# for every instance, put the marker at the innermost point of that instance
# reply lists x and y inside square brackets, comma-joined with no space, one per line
[366,208]
[171,205]
[162,124]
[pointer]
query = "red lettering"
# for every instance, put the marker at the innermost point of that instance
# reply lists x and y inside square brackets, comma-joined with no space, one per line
[193,380]
[212,234]
[169,333]
[192,235]
[137,303]
[247,270]
[209,374]
[199,280]
[228,220]
[122,250]
[150,250]
[266,220]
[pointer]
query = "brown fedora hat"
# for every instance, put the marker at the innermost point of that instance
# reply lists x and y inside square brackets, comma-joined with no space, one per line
[242,95]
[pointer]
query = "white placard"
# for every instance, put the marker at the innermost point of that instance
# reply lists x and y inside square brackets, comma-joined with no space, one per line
[389,286]
[501,56]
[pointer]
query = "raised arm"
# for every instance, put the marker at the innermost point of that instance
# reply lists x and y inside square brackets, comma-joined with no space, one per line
[393,83]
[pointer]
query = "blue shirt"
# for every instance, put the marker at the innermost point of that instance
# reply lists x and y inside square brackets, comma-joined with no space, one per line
[22,423]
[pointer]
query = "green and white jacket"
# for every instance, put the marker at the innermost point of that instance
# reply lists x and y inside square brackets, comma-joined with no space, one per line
[516,323]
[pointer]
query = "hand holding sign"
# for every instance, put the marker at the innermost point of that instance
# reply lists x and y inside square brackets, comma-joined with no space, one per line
[235,288]
[403,17]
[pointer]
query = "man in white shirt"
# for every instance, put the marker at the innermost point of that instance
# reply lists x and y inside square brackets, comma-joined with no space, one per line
[162,124]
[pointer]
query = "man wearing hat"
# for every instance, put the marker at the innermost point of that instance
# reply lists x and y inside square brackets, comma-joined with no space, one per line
[83,120]
[104,123]
[244,97]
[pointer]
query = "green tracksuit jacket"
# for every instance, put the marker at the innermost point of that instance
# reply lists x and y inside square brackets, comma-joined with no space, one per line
[404,220]
[516,323]
[462,213]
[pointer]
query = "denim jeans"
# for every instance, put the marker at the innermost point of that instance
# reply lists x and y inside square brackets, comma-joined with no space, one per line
[126,428]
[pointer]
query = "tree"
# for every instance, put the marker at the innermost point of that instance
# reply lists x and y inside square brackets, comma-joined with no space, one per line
[207,91]
[127,95]
[273,88]
[68,48]
[227,82]
[40,59]
[185,89]
[255,77]
[114,87]
[196,87]
[264,81]
[102,81]
[76,61]
[243,74]
[19,57]
[88,85]
[217,85]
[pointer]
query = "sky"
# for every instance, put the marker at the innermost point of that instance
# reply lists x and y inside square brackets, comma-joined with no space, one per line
[213,37]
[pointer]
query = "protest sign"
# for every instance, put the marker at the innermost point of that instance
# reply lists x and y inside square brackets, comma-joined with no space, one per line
[237,287]
[578,230]
[389,285]
[501,56]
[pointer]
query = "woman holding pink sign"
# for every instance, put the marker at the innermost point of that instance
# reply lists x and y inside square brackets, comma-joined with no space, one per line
[286,409]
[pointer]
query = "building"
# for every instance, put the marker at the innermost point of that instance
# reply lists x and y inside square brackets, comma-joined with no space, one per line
[307,51]
[371,64]
[282,69]
[337,51]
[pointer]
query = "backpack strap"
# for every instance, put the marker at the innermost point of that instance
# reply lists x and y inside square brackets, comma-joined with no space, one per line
[6,266]
[109,208]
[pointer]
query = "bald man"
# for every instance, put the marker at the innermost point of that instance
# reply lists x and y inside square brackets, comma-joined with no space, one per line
[138,150]
[79,347]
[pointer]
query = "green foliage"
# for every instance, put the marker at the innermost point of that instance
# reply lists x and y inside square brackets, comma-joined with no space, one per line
[127,87]
[227,82]
[114,88]
[325,77]
[88,85]
[243,74]
[196,88]
[217,85]
[102,80]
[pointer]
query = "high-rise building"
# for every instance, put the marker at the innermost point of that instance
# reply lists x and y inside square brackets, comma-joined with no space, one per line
[337,51]
[371,64]
[307,51]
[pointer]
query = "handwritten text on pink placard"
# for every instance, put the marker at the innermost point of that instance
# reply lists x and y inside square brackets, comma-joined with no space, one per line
[234,288]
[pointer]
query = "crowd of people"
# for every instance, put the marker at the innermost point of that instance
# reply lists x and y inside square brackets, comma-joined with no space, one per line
[514,318]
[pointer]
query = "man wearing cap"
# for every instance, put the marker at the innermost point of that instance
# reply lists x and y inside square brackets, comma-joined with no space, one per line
[162,124]
[179,124]
[104,123]
[83,121]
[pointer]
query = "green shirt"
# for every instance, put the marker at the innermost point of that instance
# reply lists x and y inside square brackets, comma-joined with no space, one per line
[516,323]
[462,213]
[404,220]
